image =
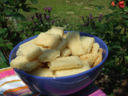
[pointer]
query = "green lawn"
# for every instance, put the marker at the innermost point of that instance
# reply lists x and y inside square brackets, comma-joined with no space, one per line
[72,10]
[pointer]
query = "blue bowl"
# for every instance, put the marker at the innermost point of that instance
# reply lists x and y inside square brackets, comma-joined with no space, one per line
[61,85]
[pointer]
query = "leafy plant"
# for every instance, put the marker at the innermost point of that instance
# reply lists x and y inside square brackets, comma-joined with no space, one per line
[113,29]
[40,22]
[43,21]
[10,15]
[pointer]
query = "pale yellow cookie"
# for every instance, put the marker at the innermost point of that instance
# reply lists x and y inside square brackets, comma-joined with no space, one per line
[22,63]
[31,66]
[43,49]
[87,43]
[48,40]
[56,31]
[27,43]
[66,52]
[43,72]
[74,43]
[19,62]
[18,53]
[90,58]
[95,48]
[73,71]
[62,44]
[66,63]
[100,51]
[99,58]
[30,51]
[49,55]
[85,63]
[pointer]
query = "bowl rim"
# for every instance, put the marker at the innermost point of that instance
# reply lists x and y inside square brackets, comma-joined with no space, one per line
[61,77]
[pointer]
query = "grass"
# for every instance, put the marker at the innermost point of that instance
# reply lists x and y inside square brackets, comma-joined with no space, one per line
[72,10]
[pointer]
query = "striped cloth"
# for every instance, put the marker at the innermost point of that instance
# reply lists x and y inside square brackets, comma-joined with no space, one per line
[12,85]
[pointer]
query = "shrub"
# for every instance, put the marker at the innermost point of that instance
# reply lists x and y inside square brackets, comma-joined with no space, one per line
[113,29]
[9,17]
[40,22]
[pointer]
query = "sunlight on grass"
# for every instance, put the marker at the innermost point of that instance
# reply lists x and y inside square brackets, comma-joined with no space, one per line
[72,10]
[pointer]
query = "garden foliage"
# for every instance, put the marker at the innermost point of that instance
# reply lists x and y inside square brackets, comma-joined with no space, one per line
[10,15]
[113,29]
